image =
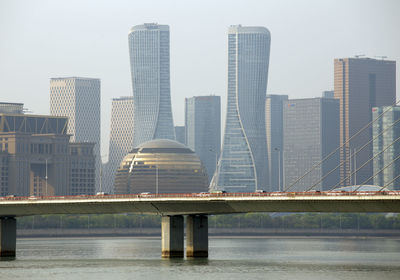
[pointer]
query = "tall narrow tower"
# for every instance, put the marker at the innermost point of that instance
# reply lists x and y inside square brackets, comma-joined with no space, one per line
[242,166]
[149,59]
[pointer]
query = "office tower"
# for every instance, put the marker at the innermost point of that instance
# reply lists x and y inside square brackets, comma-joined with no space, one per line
[242,166]
[36,157]
[180,134]
[79,100]
[121,138]
[361,84]
[386,147]
[311,132]
[149,59]
[274,130]
[203,129]
[328,94]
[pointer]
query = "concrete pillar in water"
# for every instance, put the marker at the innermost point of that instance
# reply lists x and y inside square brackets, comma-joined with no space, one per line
[172,236]
[197,236]
[8,236]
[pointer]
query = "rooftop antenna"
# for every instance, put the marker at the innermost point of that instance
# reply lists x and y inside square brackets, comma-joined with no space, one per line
[381,56]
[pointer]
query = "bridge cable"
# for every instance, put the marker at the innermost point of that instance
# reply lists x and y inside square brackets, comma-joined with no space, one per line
[371,177]
[365,163]
[340,147]
[389,183]
[354,155]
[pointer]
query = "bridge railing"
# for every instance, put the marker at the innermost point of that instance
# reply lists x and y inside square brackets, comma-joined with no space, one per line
[199,195]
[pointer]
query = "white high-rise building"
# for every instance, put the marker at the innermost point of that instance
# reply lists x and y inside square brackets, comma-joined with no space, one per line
[149,60]
[243,165]
[121,138]
[79,100]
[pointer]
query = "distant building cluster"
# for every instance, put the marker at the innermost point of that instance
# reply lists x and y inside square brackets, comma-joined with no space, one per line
[37,157]
[348,136]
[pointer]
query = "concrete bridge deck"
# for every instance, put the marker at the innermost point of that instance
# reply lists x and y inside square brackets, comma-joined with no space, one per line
[204,204]
[173,207]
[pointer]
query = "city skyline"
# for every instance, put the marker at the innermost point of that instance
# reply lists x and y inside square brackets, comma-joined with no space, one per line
[102,49]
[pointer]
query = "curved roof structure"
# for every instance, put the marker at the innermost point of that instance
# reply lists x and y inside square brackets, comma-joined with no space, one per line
[161,166]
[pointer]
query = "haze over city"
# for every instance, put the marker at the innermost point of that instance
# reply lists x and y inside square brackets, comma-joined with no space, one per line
[45,39]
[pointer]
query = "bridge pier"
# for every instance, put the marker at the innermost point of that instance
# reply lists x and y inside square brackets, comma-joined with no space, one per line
[172,236]
[197,236]
[8,236]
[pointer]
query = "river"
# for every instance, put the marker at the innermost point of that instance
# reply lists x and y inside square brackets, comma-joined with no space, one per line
[229,258]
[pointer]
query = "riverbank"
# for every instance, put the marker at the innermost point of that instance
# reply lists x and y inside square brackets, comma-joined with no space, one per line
[92,232]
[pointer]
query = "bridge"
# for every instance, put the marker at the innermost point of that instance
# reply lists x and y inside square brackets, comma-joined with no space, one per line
[173,207]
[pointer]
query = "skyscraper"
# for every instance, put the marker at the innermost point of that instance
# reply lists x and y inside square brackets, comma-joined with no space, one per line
[203,129]
[311,132]
[361,84]
[79,100]
[274,127]
[149,60]
[242,166]
[121,138]
[180,134]
[386,147]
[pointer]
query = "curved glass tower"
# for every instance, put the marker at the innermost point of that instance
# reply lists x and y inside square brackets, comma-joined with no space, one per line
[242,166]
[149,59]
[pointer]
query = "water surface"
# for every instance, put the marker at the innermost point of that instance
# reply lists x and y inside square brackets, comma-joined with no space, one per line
[229,258]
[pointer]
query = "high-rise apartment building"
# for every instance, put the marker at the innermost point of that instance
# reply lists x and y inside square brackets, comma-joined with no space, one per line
[203,129]
[386,147]
[360,84]
[121,138]
[149,60]
[311,133]
[274,130]
[79,100]
[180,134]
[242,166]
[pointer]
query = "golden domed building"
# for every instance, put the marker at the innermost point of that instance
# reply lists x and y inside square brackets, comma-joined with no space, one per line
[161,166]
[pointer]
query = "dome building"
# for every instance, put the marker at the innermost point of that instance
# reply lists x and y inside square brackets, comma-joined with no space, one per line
[161,166]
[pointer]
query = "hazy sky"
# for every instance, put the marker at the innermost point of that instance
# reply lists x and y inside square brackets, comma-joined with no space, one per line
[44,39]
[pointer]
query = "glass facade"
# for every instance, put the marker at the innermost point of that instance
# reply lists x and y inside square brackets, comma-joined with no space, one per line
[311,132]
[149,60]
[386,147]
[242,166]
[360,84]
[203,129]
[274,129]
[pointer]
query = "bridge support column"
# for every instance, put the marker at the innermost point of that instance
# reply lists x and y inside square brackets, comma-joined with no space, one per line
[8,236]
[172,236]
[197,236]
